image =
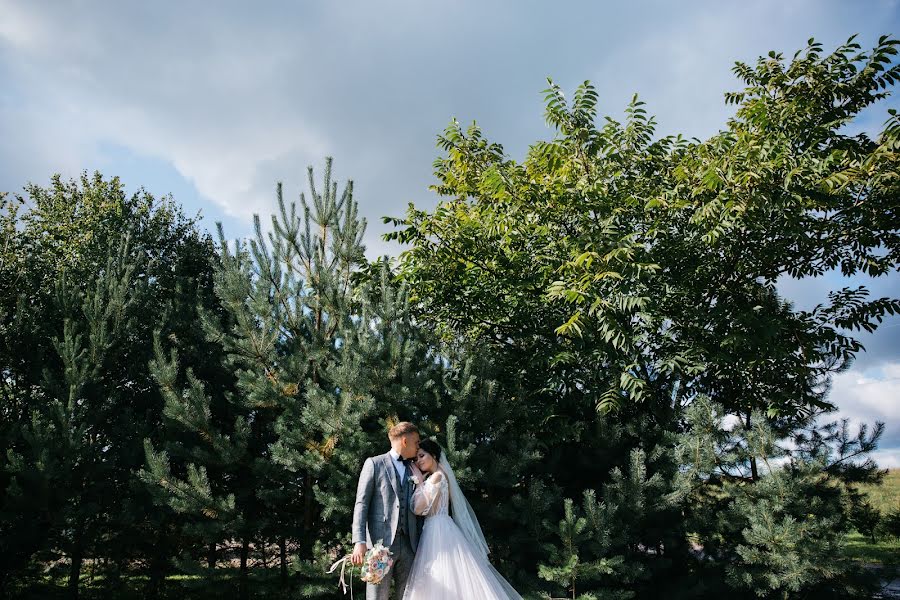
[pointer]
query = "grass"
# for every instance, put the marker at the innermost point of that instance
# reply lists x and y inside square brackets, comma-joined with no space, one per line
[263,584]
[884,551]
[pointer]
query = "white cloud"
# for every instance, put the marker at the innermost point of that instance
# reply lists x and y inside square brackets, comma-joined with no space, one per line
[888,458]
[187,97]
[869,394]
[866,396]
[236,97]
[18,27]
[226,93]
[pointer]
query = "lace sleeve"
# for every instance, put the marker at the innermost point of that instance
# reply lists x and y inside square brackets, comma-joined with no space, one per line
[427,494]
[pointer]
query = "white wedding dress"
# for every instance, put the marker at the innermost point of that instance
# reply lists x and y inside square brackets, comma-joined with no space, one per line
[451,561]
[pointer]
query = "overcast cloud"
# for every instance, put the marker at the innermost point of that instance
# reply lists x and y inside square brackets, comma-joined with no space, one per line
[216,101]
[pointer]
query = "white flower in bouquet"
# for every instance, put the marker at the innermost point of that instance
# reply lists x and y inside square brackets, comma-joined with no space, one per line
[377,564]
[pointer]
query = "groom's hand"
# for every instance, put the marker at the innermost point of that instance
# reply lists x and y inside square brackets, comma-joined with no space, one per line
[359,554]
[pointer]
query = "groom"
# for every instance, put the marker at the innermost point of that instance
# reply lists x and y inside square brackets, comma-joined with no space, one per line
[383,509]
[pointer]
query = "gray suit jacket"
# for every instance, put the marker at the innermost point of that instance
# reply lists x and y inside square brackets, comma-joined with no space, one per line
[376,513]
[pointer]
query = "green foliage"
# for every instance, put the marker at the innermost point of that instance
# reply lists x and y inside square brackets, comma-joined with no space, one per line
[615,270]
[881,545]
[87,273]
[867,519]
[324,354]
[284,326]
[890,524]
[607,549]
[781,531]
[570,570]
[885,494]
[658,258]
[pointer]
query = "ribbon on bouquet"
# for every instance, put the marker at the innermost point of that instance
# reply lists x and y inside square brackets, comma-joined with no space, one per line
[343,564]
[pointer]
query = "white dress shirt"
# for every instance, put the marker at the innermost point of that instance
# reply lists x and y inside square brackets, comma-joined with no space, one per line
[401,468]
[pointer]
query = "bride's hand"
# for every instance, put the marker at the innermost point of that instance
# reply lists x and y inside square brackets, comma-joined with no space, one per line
[416,472]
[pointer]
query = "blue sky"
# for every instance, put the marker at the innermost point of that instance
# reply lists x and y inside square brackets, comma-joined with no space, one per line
[214,102]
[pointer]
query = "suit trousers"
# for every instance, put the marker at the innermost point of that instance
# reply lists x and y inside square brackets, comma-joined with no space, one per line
[399,573]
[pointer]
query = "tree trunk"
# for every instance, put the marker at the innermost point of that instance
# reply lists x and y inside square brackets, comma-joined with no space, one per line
[754,472]
[154,584]
[211,556]
[77,557]
[158,557]
[282,552]
[307,514]
[117,578]
[243,588]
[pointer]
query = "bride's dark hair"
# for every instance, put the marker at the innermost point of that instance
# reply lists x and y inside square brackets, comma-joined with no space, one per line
[431,447]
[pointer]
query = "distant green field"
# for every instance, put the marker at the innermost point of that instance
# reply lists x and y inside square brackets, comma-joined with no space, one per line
[885,498]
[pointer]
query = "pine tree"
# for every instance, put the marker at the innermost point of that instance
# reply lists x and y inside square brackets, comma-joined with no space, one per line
[63,446]
[866,519]
[324,357]
[569,565]
[890,524]
[778,531]
[616,546]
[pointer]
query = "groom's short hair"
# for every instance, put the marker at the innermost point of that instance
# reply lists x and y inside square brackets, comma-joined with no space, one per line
[402,428]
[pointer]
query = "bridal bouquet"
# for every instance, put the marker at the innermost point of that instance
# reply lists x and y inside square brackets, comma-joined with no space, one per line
[376,565]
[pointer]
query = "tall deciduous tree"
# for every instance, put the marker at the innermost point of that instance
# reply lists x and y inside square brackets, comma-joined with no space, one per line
[618,270]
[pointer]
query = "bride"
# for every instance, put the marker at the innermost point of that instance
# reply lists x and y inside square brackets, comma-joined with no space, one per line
[451,562]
